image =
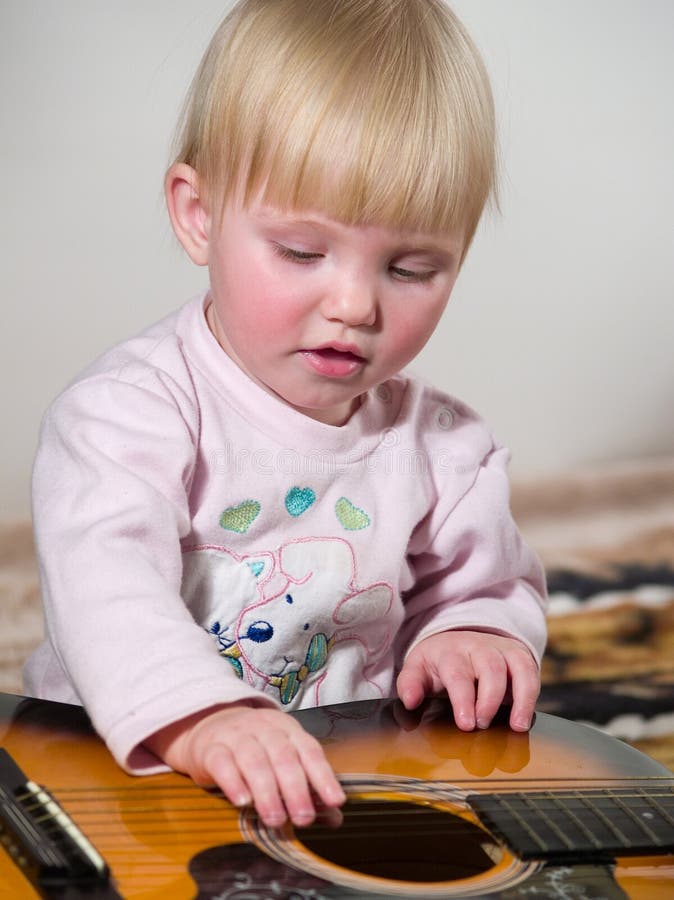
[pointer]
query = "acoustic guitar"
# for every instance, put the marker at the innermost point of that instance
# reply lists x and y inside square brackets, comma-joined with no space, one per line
[561,812]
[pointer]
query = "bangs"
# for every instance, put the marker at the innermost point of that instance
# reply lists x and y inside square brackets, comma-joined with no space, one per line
[377,113]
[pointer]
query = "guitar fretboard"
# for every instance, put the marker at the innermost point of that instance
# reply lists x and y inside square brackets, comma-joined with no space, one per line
[581,826]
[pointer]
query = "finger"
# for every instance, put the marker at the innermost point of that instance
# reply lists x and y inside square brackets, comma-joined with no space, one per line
[291,778]
[219,768]
[319,772]
[258,773]
[459,682]
[413,683]
[525,688]
[492,674]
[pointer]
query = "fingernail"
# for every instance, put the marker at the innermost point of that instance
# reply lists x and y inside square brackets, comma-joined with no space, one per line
[274,821]
[303,817]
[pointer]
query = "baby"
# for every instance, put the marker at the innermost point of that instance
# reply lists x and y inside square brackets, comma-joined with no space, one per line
[251,507]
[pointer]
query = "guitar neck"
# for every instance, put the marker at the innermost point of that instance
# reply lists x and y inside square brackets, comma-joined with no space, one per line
[581,825]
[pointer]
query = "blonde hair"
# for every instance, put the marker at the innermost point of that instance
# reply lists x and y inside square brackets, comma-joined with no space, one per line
[369,111]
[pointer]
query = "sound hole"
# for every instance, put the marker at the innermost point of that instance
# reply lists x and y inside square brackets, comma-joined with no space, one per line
[403,842]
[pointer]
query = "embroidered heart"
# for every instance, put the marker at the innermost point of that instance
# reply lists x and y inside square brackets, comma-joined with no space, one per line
[240,518]
[350,517]
[298,500]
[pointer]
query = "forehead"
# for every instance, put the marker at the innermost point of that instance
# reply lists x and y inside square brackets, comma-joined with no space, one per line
[322,225]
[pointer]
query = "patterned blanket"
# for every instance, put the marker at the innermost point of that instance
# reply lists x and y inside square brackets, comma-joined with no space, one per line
[606,538]
[607,541]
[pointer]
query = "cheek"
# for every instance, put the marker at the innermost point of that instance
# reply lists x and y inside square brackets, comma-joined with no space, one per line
[248,301]
[410,332]
[271,313]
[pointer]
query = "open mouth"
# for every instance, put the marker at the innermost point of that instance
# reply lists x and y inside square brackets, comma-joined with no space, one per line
[333,361]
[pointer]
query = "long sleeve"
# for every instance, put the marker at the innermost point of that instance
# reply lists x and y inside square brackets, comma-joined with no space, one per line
[110,507]
[472,569]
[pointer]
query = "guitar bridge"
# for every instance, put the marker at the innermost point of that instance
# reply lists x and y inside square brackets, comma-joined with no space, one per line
[42,839]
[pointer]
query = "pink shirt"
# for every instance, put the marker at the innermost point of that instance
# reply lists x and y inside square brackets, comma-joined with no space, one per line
[201,542]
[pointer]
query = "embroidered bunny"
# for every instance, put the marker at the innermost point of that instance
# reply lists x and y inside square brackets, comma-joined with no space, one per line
[279,617]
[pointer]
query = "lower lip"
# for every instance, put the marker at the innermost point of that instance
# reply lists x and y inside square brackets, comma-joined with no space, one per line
[332,363]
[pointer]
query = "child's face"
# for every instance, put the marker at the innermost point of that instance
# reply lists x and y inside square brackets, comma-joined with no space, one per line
[317,312]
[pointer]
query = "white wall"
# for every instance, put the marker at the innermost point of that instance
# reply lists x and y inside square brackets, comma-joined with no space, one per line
[560,330]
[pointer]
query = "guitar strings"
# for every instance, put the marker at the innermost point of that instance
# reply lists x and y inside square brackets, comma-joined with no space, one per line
[655,787]
[146,807]
[156,839]
[599,787]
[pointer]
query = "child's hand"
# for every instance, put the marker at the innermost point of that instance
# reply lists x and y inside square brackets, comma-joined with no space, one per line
[254,755]
[479,671]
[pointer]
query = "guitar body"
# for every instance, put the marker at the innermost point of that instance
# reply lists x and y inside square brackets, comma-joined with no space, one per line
[163,837]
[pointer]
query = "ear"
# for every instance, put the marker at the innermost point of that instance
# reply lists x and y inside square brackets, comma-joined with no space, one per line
[188,214]
[367,605]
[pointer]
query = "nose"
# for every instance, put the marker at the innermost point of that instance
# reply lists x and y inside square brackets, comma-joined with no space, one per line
[353,302]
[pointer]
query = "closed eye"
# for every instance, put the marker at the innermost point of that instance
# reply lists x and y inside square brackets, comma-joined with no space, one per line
[298,256]
[411,274]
